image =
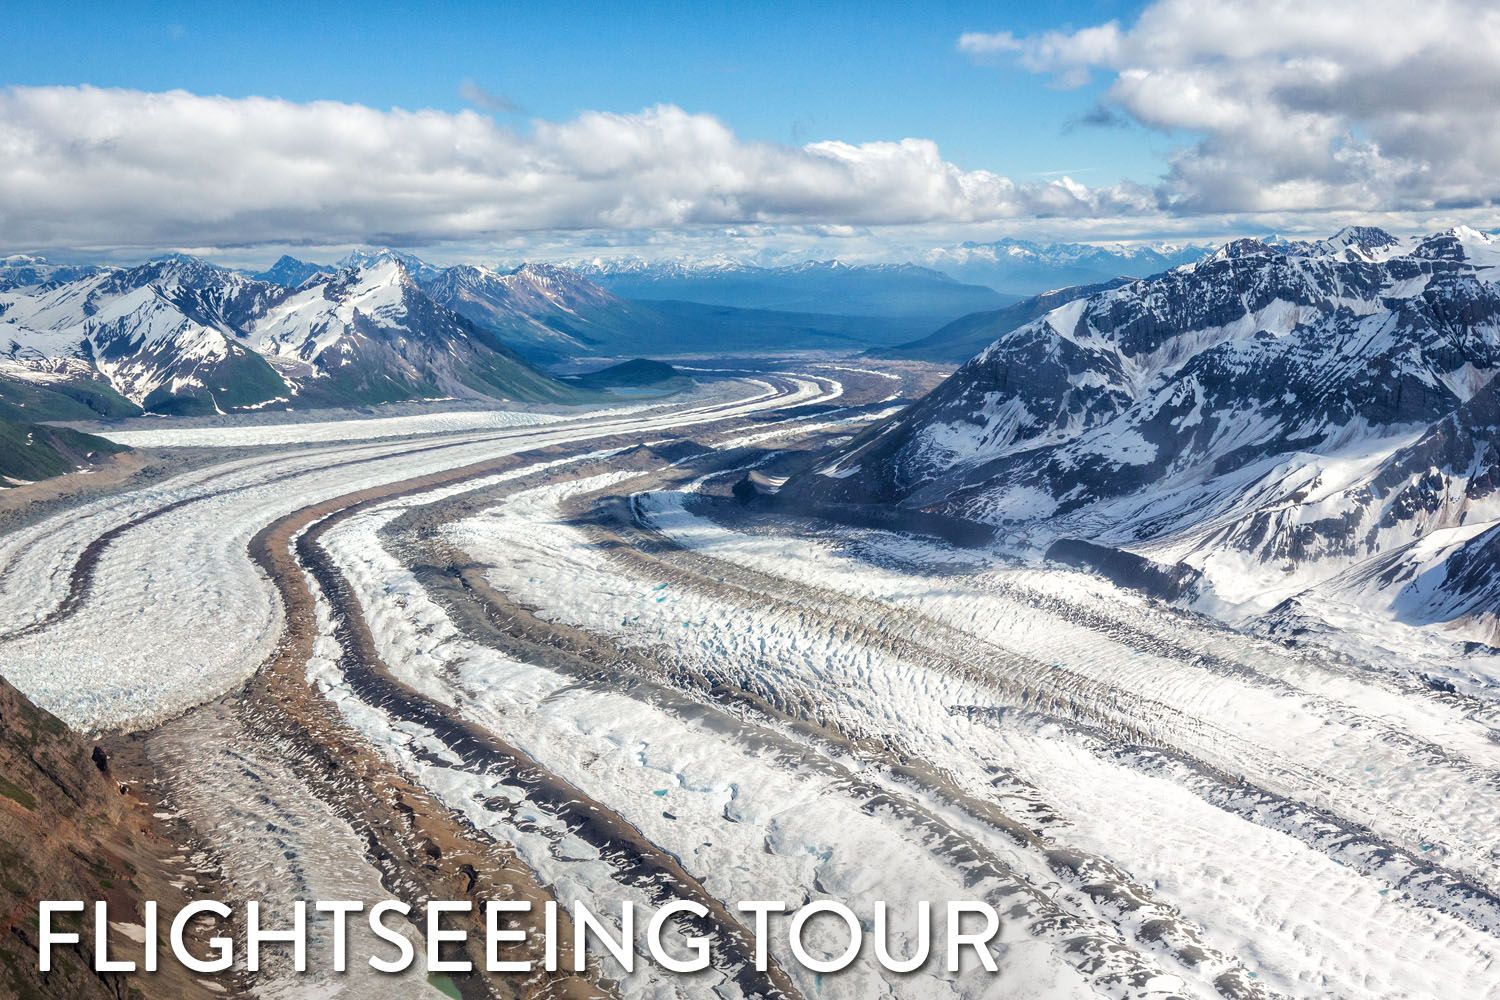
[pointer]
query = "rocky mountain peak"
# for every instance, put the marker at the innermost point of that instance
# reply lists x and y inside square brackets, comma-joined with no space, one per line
[1190,414]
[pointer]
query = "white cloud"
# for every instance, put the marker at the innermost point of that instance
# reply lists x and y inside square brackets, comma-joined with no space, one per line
[487,100]
[83,166]
[981,45]
[1374,105]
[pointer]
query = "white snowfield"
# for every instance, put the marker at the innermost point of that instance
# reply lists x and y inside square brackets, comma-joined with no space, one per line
[319,431]
[1158,806]
[363,428]
[178,612]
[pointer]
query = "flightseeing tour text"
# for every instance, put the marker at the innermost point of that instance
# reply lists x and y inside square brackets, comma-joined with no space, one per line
[663,935]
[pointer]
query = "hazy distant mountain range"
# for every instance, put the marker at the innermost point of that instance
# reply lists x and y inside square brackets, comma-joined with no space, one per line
[830,286]
[1024,268]
[936,279]
[20,270]
[547,312]
[956,342]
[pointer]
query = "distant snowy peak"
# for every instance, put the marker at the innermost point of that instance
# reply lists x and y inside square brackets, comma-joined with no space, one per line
[371,333]
[533,285]
[1481,250]
[418,268]
[671,267]
[22,270]
[1372,245]
[1367,242]
[1249,246]
[1154,254]
[314,319]
[526,289]
[1025,268]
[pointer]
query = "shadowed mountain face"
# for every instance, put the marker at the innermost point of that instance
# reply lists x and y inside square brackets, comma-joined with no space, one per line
[289,272]
[960,340]
[1303,407]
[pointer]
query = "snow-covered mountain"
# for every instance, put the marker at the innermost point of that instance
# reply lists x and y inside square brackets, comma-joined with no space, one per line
[166,335]
[829,286]
[370,333]
[418,268]
[20,270]
[1022,267]
[1283,419]
[180,335]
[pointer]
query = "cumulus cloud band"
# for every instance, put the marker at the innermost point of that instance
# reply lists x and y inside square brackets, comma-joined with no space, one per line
[1375,105]
[85,166]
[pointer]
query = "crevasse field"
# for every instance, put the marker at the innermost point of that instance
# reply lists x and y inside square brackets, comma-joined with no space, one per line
[763,707]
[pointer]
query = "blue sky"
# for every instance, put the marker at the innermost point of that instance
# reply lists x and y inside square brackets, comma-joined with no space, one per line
[710,125]
[783,72]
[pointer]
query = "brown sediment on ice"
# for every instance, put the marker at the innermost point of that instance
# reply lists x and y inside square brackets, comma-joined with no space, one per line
[421,848]
[107,473]
[640,862]
[419,845]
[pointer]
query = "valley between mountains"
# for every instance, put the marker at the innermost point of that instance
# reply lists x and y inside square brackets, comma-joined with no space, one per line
[1164,625]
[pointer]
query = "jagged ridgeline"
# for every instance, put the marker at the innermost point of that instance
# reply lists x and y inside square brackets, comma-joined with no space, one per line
[179,335]
[182,336]
[1275,416]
